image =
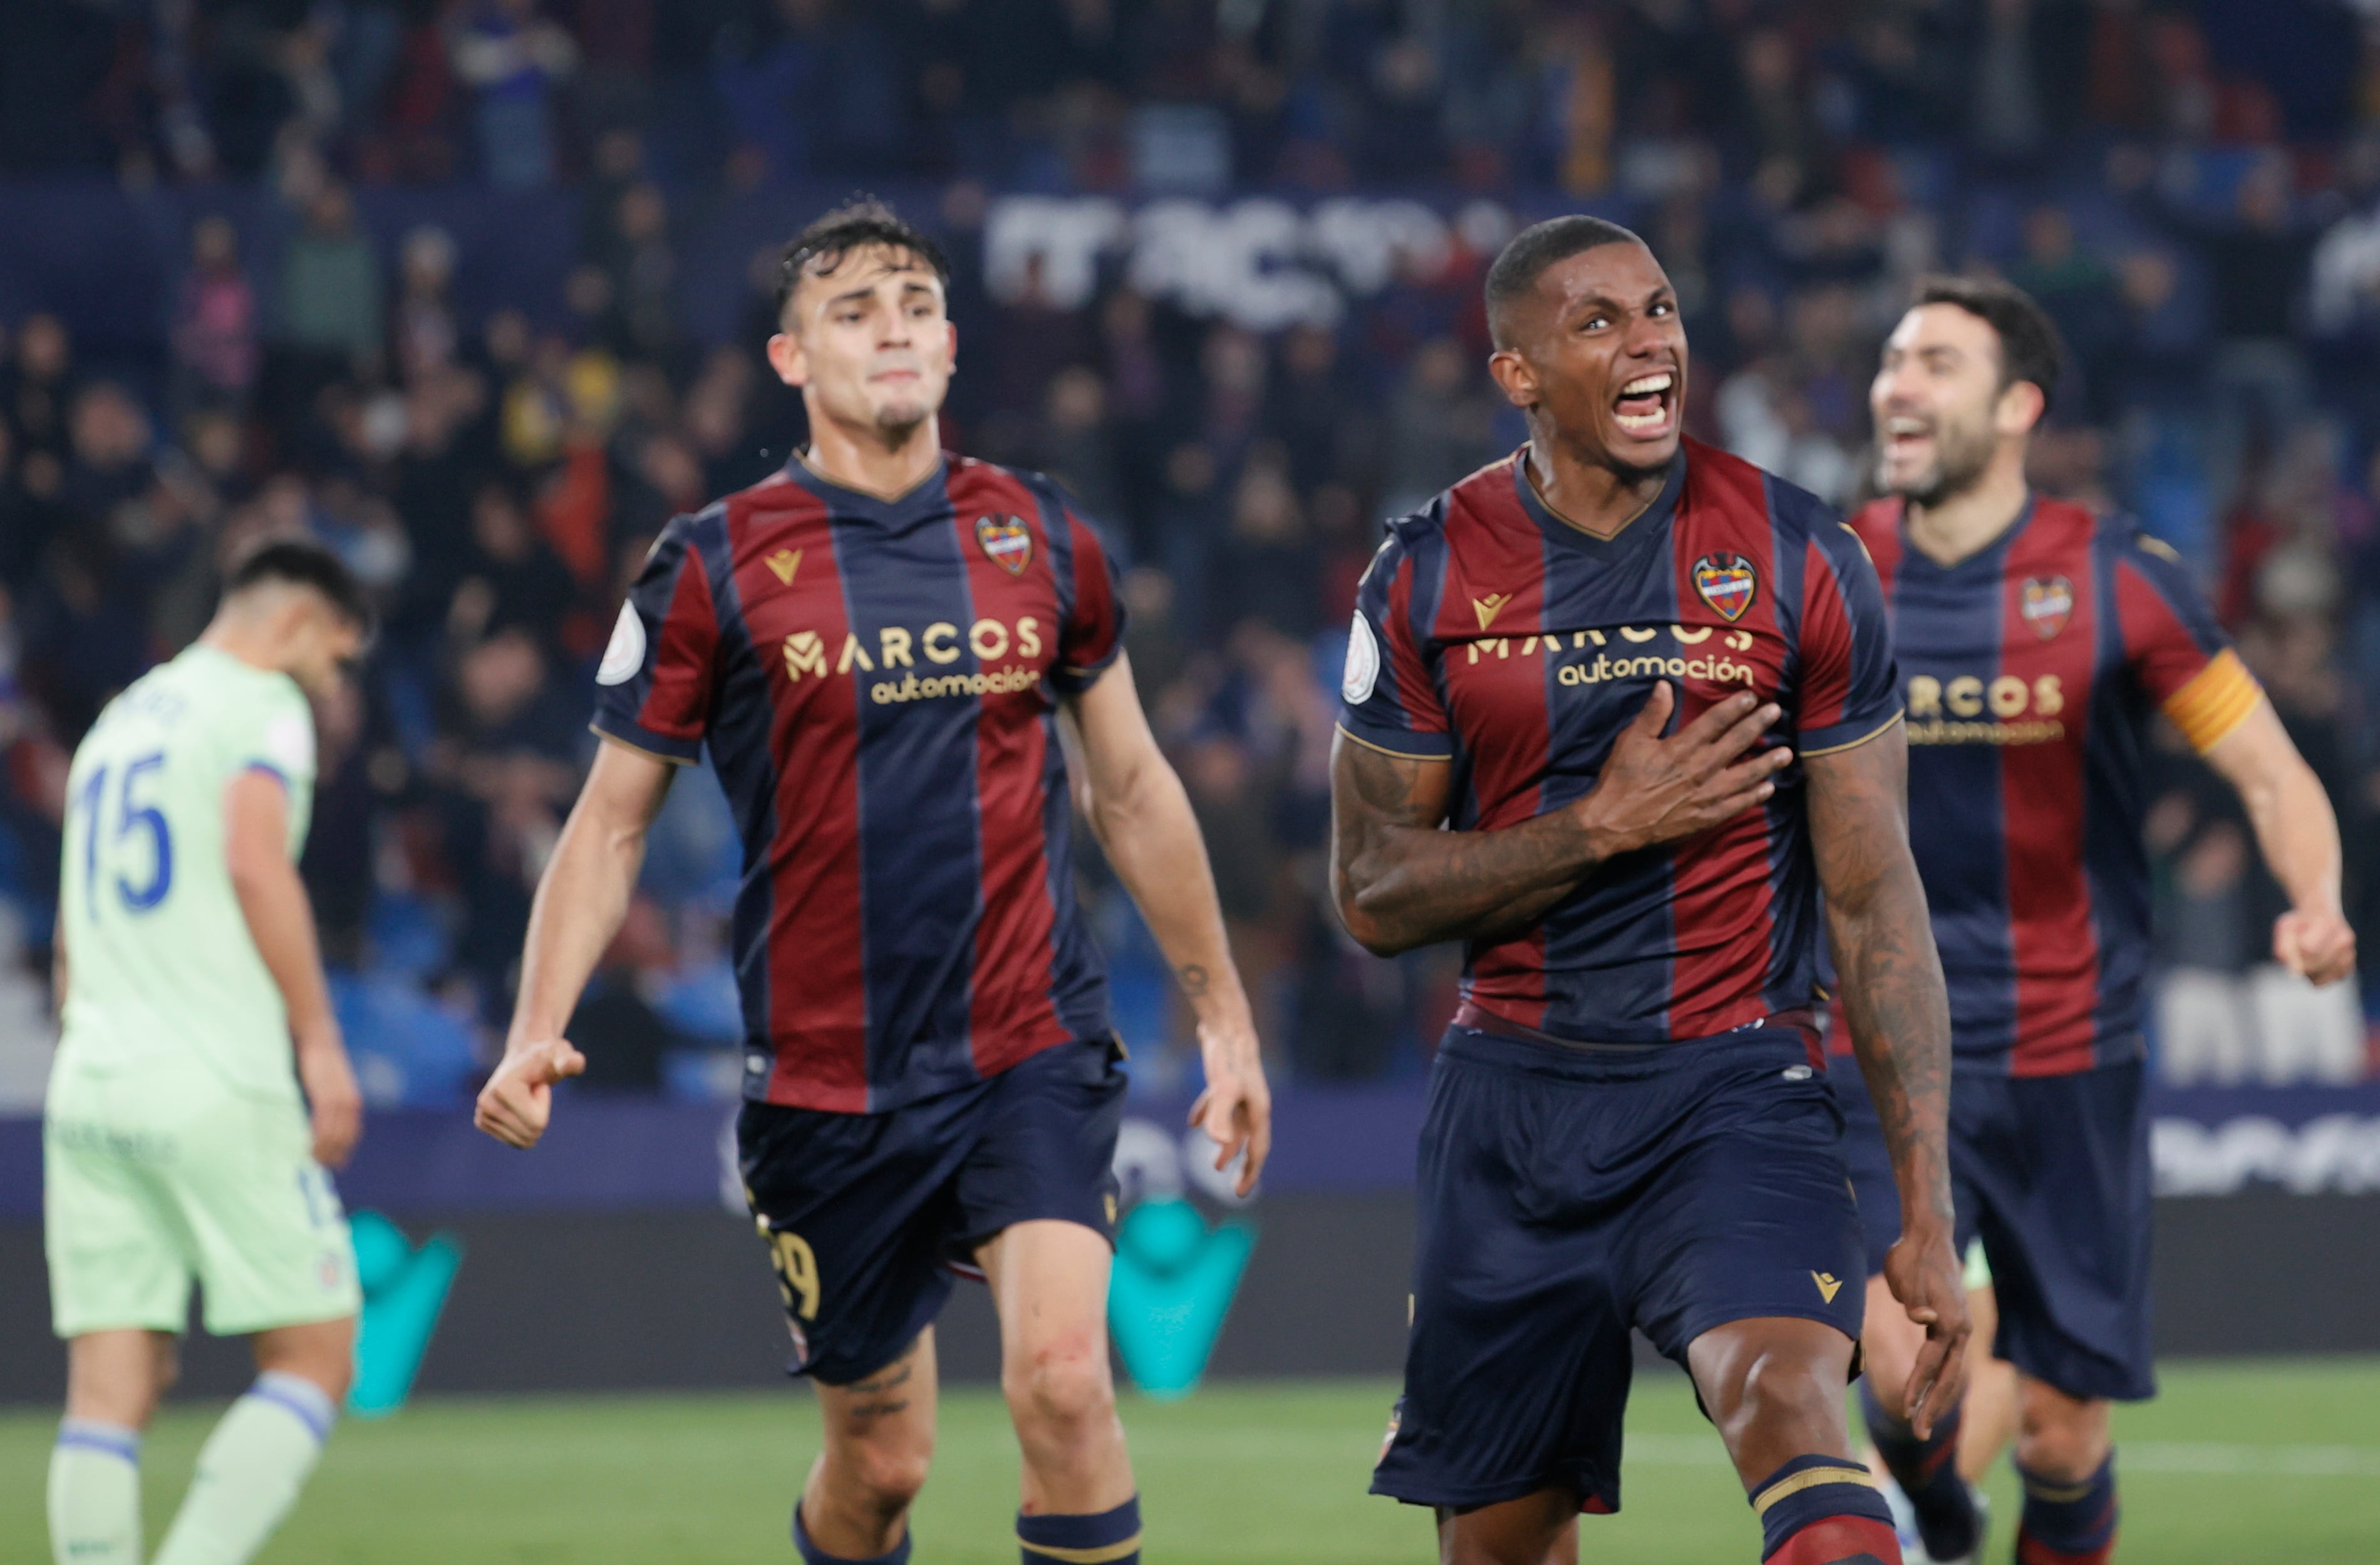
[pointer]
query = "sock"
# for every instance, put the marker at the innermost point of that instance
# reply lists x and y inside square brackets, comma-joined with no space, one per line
[1927,1472]
[1824,1511]
[95,1493]
[1113,1537]
[2068,1523]
[813,1555]
[249,1472]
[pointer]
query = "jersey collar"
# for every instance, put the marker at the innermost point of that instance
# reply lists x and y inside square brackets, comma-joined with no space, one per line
[928,496]
[1994,552]
[1652,522]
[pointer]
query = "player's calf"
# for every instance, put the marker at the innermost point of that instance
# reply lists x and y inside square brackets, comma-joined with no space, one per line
[1774,1387]
[880,1443]
[1927,1469]
[253,1466]
[2064,1456]
[1048,1280]
[113,1380]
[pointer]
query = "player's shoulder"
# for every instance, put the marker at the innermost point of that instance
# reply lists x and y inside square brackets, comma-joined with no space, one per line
[2076,535]
[969,477]
[1878,523]
[2133,557]
[990,496]
[1488,499]
[695,529]
[1749,495]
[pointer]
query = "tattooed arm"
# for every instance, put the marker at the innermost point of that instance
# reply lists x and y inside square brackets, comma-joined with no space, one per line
[1137,810]
[1401,882]
[1891,979]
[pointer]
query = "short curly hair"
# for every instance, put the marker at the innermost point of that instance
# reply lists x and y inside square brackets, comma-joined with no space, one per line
[862,222]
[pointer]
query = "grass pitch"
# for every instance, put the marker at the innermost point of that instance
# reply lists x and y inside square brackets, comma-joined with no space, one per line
[2238,1462]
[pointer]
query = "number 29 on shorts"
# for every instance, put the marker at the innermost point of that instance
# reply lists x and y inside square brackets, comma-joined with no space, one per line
[797,1275]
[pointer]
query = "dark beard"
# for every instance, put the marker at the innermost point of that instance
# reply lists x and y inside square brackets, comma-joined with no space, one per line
[1957,469]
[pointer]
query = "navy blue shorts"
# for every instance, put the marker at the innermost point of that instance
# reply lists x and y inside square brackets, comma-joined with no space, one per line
[867,1214]
[1568,1195]
[2052,1174]
[1869,1162]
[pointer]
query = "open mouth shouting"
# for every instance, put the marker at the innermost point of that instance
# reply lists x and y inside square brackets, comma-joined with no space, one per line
[1646,407]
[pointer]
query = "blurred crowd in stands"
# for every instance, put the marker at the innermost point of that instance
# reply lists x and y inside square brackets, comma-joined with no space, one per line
[2195,195]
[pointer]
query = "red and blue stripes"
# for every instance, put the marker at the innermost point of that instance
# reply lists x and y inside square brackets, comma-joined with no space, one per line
[1520,647]
[877,689]
[2031,670]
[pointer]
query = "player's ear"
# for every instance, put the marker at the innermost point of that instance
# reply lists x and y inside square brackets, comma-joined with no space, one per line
[1514,373]
[953,328]
[786,357]
[2020,406]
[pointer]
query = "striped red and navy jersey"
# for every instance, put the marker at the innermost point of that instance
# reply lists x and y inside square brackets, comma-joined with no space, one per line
[877,683]
[2032,668]
[1491,632]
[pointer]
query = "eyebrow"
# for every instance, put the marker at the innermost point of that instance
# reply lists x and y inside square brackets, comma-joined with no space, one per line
[1604,301]
[851,295]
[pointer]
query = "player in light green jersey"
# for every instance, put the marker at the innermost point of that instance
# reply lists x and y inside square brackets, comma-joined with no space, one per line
[176,1143]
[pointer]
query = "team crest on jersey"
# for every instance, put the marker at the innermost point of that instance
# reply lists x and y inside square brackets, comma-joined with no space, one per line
[1007,540]
[1726,583]
[2046,603]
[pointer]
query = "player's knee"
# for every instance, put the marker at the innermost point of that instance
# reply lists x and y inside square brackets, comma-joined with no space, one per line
[2060,1438]
[324,1356]
[1062,1386]
[1780,1387]
[1885,1365]
[889,1473]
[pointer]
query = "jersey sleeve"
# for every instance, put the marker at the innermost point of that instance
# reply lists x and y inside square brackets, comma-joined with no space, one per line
[1387,698]
[655,683]
[1093,636]
[1850,688]
[2175,647]
[279,742]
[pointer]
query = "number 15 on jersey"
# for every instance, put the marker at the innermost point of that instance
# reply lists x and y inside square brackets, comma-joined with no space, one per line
[131,819]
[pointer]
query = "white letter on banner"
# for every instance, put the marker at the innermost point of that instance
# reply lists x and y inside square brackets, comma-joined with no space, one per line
[1067,233]
[1362,240]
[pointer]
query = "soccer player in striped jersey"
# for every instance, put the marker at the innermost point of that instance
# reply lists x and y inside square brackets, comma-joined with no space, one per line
[176,1145]
[2038,641]
[881,647]
[1616,710]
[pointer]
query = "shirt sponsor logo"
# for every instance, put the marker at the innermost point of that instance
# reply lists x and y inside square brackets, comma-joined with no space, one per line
[809,655]
[1967,710]
[2046,603]
[1689,660]
[1727,582]
[1006,541]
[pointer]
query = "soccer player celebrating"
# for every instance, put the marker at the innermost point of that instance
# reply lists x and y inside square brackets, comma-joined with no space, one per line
[2037,640]
[175,1142]
[1616,710]
[881,646]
